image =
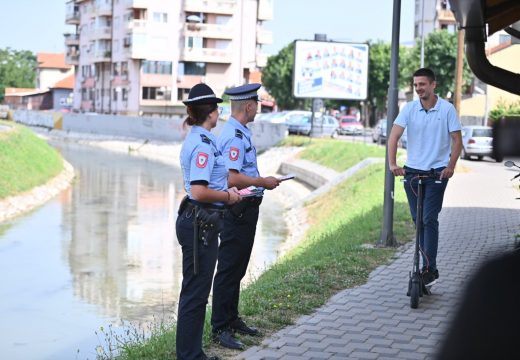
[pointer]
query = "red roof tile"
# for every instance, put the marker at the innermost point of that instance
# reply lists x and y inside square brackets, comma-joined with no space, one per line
[51,61]
[66,83]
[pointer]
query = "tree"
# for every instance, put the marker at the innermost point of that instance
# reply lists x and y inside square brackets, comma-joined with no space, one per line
[440,55]
[17,69]
[379,74]
[277,79]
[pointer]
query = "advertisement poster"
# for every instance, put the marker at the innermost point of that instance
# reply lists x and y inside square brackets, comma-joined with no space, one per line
[330,70]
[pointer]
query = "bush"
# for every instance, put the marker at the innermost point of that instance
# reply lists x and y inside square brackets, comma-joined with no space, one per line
[503,109]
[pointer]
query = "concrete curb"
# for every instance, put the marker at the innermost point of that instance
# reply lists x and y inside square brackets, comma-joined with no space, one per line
[321,178]
[13,206]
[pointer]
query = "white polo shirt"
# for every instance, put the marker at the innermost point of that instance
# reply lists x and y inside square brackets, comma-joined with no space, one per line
[429,140]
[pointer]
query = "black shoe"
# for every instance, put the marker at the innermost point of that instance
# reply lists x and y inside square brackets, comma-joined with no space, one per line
[225,338]
[206,357]
[430,277]
[240,326]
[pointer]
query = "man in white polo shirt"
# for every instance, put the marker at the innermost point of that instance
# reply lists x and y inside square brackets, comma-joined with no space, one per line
[434,142]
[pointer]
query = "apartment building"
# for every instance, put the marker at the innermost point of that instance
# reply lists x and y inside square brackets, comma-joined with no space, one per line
[141,57]
[432,15]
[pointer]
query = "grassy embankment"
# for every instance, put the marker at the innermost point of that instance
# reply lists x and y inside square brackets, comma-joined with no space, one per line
[26,161]
[333,256]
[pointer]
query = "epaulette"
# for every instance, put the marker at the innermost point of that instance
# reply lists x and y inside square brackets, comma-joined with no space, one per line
[239,134]
[205,139]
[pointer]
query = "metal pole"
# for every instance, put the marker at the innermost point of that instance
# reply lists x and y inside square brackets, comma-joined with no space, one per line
[422,34]
[387,233]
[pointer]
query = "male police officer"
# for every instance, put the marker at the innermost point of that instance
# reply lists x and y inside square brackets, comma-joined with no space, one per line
[236,240]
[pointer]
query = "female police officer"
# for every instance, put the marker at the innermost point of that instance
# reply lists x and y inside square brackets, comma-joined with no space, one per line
[199,220]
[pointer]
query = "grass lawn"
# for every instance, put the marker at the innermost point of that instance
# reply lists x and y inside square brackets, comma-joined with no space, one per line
[335,154]
[337,253]
[26,161]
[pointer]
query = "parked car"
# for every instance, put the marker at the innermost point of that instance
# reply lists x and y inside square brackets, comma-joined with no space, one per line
[476,141]
[281,117]
[379,133]
[348,125]
[301,124]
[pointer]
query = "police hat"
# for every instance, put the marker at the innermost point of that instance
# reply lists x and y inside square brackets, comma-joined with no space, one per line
[201,94]
[244,92]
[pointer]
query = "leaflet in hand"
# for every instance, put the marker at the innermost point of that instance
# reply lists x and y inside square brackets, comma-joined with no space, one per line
[250,191]
[286,177]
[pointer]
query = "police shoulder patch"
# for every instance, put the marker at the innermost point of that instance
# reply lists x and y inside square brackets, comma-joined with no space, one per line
[234,153]
[202,160]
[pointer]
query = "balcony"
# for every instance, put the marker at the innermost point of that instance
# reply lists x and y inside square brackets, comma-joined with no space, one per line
[72,16]
[264,37]
[265,10]
[135,51]
[208,55]
[103,10]
[261,59]
[137,4]
[446,16]
[211,6]
[72,58]
[102,33]
[102,56]
[211,31]
[136,26]
[71,39]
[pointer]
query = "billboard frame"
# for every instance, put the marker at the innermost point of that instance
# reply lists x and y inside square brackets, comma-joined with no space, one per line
[319,94]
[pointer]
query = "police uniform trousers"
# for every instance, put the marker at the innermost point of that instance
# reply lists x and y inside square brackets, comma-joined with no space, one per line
[236,243]
[195,289]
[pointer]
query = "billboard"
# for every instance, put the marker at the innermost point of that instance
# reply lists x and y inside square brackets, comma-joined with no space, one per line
[330,70]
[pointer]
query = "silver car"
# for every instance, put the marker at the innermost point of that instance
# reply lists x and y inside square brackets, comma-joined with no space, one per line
[476,141]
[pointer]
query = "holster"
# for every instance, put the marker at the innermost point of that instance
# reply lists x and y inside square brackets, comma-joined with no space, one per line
[240,207]
[210,224]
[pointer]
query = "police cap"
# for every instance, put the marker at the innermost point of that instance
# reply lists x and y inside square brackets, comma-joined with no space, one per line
[243,92]
[202,94]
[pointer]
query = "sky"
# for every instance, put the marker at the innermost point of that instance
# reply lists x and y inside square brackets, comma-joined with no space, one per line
[39,25]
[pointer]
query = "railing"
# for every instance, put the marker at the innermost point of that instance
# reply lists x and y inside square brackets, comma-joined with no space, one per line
[71,39]
[206,55]
[72,17]
[102,32]
[264,36]
[214,31]
[137,25]
[137,4]
[211,6]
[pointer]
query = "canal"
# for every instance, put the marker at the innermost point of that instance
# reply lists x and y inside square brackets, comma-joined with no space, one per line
[100,252]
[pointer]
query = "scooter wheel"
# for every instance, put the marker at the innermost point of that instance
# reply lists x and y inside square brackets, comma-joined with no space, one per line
[415,292]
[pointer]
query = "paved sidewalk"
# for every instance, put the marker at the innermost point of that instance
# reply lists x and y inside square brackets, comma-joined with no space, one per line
[374,321]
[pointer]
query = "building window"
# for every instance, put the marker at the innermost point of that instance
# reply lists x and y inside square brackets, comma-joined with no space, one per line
[160,17]
[157,93]
[114,94]
[193,68]
[182,94]
[116,69]
[124,94]
[157,67]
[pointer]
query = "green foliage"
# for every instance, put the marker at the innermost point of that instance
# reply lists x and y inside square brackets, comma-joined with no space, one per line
[277,79]
[440,55]
[17,69]
[503,109]
[326,152]
[26,161]
[379,72]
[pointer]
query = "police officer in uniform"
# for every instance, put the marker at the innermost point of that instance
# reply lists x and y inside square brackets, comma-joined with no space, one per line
[200,218]
[237,237]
